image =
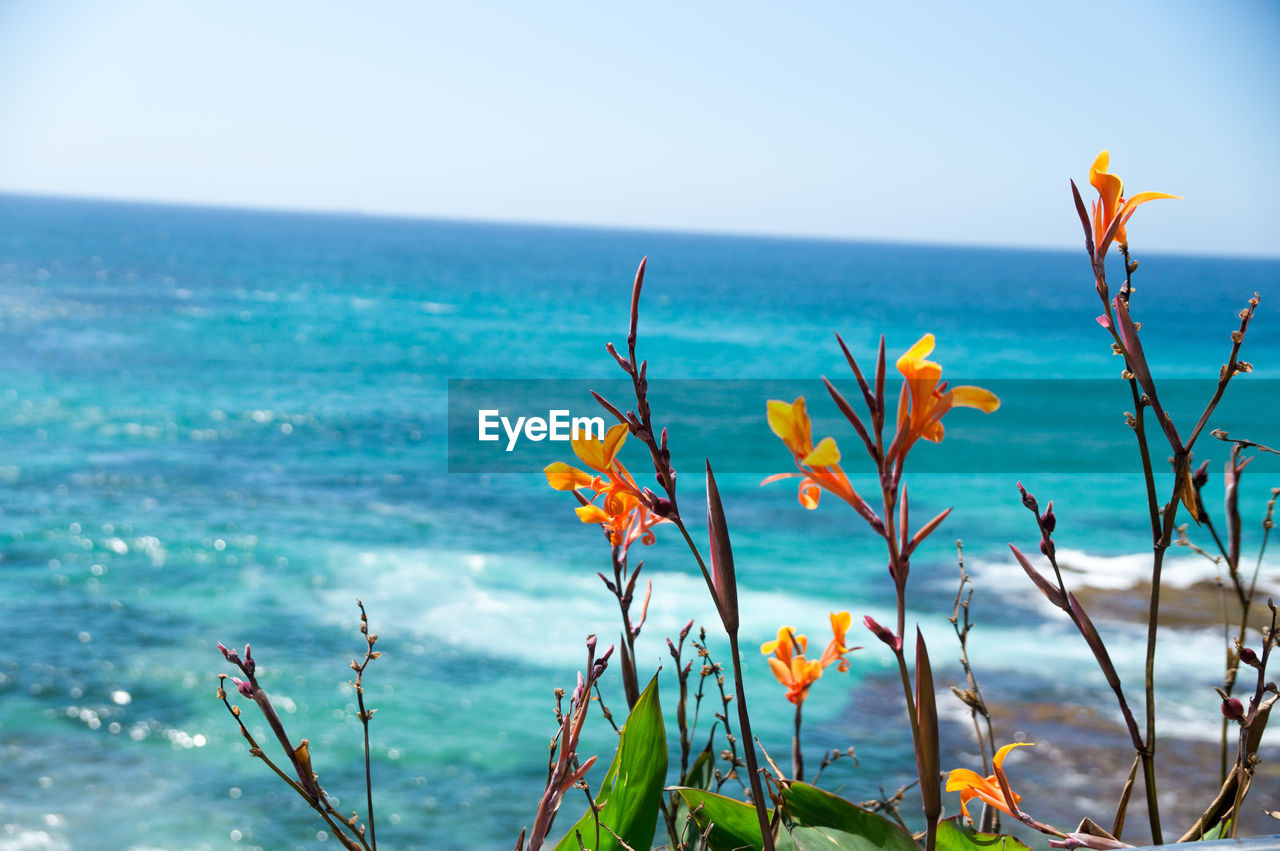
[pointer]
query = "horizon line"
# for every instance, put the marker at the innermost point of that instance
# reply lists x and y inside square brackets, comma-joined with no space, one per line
[339,212]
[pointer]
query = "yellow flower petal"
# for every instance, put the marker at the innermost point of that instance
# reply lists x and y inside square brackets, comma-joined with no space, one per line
[591,514]
[974,397]
[915,356]
[562,477]
[825,454]
[613,440]
[597,454]
[791,424]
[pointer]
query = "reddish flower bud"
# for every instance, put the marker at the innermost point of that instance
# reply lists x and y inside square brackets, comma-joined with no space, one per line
[1028,500]
[1049,521]
[243,687]
[662,506]
[883,634]
[1233,709]
[1200,477]
[1248,657]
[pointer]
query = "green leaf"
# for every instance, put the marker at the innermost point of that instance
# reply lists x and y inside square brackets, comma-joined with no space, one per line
[1221,830]
[631,792]
[954,835]
[817,819]
[735,825]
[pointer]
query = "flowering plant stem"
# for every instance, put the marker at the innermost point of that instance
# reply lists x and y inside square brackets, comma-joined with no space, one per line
[723,592]
[740,696]
[1125,342]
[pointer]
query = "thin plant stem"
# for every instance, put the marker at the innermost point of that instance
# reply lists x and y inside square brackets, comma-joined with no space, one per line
[797,757]
[749,747]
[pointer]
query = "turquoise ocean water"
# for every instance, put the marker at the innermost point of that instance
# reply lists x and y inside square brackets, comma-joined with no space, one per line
[223,425]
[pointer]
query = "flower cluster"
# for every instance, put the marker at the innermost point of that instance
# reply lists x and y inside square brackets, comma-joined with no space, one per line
[793,670]
[623,511]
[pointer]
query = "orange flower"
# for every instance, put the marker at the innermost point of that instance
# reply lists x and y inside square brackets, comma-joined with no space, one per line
[971,785]
[793,670]
[1112,205]
[819,466]
[623,511]
[924,401]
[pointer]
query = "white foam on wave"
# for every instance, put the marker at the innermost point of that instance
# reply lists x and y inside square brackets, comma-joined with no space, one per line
[1119,572]
[14,838]
[529,609]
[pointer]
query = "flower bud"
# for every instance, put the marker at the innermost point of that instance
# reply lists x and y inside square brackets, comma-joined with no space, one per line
[1248,657]
[883,634]
[1232,708]
[1200,477]
[1049,521]
[662,506]
[1028,500]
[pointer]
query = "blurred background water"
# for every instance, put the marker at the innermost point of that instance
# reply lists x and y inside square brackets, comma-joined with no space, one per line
[222,425]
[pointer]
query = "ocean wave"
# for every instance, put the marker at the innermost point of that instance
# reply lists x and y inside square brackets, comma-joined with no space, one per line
[1119,572]
[533,609]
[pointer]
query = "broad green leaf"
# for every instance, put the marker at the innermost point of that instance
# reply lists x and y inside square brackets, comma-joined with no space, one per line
[632,789]
[701,775]
[735,825]
[955,835]
[817,819]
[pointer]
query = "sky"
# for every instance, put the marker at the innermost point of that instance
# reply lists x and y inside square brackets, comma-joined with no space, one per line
[925,122]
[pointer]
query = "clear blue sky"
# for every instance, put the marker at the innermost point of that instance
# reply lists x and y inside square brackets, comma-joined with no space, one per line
[949,122]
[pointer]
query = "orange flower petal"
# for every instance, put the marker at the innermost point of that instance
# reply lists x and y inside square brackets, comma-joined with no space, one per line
[780,670]
[840,622]
[998,761]
[963,778]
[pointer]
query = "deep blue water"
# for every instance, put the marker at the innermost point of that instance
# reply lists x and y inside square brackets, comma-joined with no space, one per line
[225,425]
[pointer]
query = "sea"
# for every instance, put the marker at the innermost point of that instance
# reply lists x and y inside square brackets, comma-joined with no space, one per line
[224,425]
